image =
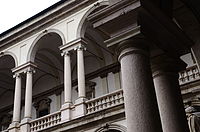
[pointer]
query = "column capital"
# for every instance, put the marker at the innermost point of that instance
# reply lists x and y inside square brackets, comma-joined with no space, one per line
[137,45]
[24,68]
[70,46]
[164,64]
[80,47]
[16,75]
[139,42]
[30,70]
[65,53]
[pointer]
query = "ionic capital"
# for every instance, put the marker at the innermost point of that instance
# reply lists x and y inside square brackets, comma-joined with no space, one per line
[65,53]
[17,75]
[30,71]
[76,44]
[80,47]
[24,68]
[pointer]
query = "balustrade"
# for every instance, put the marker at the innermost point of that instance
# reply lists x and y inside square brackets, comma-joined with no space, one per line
[105,101]
[189,75]
[46,121]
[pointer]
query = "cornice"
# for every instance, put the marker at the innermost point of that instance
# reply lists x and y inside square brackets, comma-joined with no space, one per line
[125,6]
[29,66]
[129,33]
[41,22]
[72,45]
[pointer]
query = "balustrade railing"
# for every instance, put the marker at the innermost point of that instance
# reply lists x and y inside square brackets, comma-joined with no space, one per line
[45,122]
[105,101]
[189,75]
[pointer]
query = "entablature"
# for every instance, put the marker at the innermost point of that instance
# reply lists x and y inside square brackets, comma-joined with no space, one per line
[43,20]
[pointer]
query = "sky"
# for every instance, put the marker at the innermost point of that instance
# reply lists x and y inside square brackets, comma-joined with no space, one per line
[13,12]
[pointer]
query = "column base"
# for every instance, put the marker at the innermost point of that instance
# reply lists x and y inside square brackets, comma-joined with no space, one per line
[25,125]
[80,107]
[66,112]
[14,127]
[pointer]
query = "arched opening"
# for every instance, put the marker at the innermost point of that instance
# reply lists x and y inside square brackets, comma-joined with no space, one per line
[48,78]
[7,88]
[99,60]
[111,128]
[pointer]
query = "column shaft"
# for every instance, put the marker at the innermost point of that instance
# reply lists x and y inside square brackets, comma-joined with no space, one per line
[67,78]
[81,73]
[141,108]
[28,96]
[169,98]
[17,99]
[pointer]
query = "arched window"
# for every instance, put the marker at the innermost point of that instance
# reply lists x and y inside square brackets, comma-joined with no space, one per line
[42,107]
[111,128]
[90,89]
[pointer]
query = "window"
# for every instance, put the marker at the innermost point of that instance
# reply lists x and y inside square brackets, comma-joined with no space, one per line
[42,107]
[5,121]
[90,89]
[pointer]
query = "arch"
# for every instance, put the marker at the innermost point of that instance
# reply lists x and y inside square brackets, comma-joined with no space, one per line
[42,76]
[33,49]
[112,127]
[12,55]
[82,26]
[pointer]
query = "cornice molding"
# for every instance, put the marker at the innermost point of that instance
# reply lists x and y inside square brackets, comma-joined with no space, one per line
[41,22]
[115,40]
[72,45]
[29,66]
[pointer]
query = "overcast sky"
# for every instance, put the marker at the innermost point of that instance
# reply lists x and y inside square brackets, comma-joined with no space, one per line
[12,12]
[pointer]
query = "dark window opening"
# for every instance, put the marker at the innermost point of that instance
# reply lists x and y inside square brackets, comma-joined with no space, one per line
[43,112]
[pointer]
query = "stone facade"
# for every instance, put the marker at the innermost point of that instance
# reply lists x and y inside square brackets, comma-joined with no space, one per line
[100,65]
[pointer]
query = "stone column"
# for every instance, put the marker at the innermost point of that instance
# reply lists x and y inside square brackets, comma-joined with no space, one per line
[17,101]
[17,105]
[25,126]
[81,72]
[65,110]
[80,102]
[28,96]
[165,74]
[67,79]
[141,108]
